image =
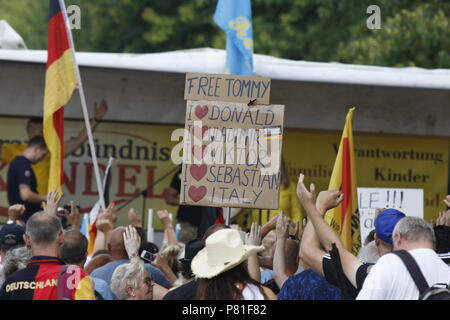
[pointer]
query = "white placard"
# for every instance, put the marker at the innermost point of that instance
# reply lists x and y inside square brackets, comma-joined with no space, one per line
[408,201]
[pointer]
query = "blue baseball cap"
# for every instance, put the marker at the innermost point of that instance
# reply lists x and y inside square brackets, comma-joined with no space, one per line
[385,224]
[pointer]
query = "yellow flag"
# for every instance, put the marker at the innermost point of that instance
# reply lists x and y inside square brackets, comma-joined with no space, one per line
[60,82]
[344,219]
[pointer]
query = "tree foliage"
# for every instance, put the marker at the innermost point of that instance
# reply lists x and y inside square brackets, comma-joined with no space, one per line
[413,33]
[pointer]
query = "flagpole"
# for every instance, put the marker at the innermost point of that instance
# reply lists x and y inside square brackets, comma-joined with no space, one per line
[84,108]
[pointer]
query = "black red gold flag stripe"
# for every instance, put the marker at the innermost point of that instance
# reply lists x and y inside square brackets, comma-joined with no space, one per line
[60,82]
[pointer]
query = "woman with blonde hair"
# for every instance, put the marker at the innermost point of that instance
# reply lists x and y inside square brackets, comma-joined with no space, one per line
[131,281]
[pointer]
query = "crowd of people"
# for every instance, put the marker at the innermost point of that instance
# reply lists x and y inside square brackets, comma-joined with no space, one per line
[288,254]
[46,257]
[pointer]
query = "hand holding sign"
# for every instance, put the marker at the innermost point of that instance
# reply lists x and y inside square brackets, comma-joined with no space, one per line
[232,150]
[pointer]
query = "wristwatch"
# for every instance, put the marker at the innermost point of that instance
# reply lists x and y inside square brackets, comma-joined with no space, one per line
[133,255]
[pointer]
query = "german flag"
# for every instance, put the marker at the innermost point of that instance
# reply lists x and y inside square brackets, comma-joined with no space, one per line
[344,219]
[60,82]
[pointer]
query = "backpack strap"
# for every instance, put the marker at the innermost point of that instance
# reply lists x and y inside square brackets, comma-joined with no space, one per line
[413,269]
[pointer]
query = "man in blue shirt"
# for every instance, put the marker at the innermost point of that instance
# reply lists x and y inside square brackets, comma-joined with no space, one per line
[22,186]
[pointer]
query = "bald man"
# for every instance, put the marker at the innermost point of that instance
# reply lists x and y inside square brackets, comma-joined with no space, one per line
[119,256]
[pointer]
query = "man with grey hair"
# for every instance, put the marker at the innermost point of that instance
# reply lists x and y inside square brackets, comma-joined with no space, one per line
[389,279]
[16,259]
[131,281]
[46,277]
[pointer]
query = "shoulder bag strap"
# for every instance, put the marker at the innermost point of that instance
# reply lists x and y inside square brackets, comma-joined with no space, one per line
[414,270]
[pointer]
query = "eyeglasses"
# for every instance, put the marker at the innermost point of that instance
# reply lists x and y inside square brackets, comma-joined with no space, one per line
[149,282]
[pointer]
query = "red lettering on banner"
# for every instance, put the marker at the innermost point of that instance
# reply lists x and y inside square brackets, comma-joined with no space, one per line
[150,180]
[71,184]
[88,178]
[123,179]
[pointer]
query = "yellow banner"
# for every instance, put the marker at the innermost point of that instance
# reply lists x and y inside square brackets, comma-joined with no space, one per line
[384,161]
[142,154]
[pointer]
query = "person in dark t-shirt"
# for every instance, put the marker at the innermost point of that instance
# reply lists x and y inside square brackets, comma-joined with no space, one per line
[340,268]
[22,186]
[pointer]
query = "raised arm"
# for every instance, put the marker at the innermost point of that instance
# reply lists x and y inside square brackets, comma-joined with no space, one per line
[74,217]
[310,251]
[15,212]
[254,238]
[104,225]
[269,226]
[327,236]
[73,144]
[170,236]
[279,261]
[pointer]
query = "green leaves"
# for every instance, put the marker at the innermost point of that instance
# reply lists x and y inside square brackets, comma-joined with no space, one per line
[413,32]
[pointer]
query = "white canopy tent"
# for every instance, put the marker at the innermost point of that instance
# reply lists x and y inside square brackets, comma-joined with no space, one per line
[207,60]
[9,38]
[149,88]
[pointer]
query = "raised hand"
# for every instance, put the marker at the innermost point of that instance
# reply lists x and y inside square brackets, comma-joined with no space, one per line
[447,200]
[282,227]
[132,242]
[53,198]
[74,217]
[164,217]
[306,197]
[328,199]
[134,218]
[109,213]
[15,212]
[443,218]
[160,262]
[254,236]
[295,229]
[100,110]
[104,225]
[272,223]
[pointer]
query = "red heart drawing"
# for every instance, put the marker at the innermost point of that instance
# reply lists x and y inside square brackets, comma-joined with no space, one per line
[197,194]
[199,133]
[199,152]
[198,172]
[200,111]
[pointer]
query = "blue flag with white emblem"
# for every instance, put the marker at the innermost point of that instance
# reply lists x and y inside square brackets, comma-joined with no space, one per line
[235,18]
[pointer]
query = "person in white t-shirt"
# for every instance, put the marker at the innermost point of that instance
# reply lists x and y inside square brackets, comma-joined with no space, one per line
[390,280]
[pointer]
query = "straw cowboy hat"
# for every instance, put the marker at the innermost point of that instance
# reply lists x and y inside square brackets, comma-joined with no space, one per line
[223,251]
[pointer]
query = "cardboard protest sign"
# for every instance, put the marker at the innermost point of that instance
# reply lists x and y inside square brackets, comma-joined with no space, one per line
[231,155]
[222,87]
[408,201]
